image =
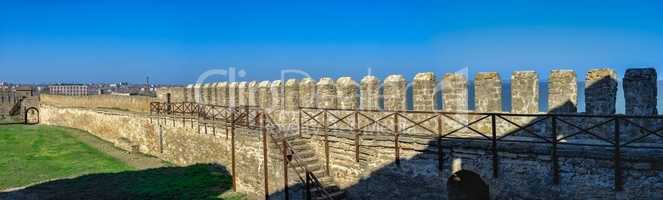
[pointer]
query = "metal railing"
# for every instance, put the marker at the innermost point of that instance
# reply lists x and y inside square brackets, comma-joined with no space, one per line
[553,130]
[250,118]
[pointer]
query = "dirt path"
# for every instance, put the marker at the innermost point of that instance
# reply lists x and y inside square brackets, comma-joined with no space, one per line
[136,160]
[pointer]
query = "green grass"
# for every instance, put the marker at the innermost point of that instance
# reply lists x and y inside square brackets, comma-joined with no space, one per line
[38,153]
[66,168]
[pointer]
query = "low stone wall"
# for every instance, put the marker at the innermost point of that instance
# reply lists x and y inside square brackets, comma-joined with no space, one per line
[180,142]
[524,170]
[128,103]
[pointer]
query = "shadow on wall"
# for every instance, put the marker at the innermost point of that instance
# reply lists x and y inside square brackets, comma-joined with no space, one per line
[200,181]
[468,175]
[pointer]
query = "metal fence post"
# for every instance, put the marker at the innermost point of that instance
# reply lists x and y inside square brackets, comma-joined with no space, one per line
[299,122]
[356,131]
[619,184]
[494,146]
[555,159]
[440,153]
[285,170]
[308,186]
[325,128]
[232,149]
[264,154]
[396,142]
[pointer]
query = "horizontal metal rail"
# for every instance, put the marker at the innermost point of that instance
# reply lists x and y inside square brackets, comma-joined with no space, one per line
[440,126]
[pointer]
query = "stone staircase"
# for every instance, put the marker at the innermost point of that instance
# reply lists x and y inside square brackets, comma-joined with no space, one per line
[307,160]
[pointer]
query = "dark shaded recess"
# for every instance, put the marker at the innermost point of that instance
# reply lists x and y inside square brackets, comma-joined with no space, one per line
[200,181]
[467,185]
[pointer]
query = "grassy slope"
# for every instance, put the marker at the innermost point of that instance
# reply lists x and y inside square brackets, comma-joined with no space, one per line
[32,154]
[37,153]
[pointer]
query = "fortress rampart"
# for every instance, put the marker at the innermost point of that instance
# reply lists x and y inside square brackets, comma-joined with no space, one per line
[361,136]
[127,103]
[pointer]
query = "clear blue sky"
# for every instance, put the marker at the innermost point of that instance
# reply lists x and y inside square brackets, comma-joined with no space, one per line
[80,41]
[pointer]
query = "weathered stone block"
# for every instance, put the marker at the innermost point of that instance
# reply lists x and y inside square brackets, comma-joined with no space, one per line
[243,93]
[423,91]
[233,95]
[524,92]
[222,93]
[213,93]
[188,93]
[253,96]
[264,94]
[640,91]
[395,88]
[600,91]
[197,93]
[277,94]
[307,93]
[455,92]
[488,92]
[326,93]
[347,93]
[562,91]
[370,93]
[291,94]
[205,93]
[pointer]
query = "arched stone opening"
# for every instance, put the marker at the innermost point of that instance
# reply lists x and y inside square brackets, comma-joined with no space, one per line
[467,185]
[31,115]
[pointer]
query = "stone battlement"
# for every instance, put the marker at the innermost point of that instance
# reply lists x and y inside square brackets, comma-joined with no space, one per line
[427,92]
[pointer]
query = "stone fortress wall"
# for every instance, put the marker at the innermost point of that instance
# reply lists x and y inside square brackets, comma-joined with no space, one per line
[363,162]
[127,103]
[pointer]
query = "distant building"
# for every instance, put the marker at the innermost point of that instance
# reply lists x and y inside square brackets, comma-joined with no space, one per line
[68,89]
[24,91]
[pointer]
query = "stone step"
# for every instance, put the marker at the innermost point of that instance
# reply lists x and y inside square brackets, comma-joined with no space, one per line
[307,161]
[333,195]
[304,157]
[329,189]
[296,142]
[310,166]
[305,154]
[300,147]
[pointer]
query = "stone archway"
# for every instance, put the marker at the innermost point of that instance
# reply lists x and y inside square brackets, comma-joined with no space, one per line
[31,115]
[467,185]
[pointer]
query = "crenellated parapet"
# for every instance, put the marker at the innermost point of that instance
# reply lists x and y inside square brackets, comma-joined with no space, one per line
[427,92]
